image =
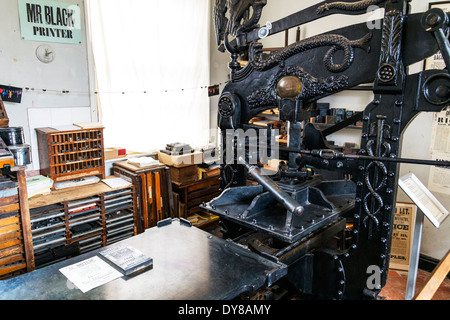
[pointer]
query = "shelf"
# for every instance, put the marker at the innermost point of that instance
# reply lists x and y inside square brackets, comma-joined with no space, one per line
[68,155]
[16,247]
[75,152]
[325,126]
[76,162]
[79,219]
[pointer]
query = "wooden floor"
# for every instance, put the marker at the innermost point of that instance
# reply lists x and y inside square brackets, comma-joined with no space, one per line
[395,288]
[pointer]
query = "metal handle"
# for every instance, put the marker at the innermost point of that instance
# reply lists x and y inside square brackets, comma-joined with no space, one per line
[285,199]
[436,20]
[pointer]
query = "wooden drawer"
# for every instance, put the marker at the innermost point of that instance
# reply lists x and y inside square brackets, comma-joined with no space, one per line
[193,194]
[68,155]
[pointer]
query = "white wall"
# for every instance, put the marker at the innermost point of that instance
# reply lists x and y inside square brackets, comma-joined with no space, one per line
[435,242]
[20,68]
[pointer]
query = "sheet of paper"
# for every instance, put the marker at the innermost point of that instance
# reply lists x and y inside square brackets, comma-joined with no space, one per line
[439,177]
[68,127]
[116,182]
[91,273]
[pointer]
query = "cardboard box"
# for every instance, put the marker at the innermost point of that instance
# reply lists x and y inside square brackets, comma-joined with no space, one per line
[111,153]
[114,153]
[402,234]
[181,160]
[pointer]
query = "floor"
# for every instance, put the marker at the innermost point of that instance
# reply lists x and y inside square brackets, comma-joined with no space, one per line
[395,288]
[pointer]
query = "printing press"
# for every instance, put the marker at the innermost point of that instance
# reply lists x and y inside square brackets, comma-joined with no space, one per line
[321,227]
[327,215]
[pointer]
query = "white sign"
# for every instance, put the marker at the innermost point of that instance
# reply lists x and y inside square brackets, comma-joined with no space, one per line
[50,21]
[424,199]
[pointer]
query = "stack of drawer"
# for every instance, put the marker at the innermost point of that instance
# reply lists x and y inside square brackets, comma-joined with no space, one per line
[13,248]
[119,215]
[72,221]
[12,260]
[48,229]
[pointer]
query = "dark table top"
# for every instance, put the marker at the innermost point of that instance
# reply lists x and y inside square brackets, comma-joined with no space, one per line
[188,264]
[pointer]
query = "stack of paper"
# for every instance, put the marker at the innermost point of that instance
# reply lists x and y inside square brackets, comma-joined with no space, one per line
[89,125]
[81,208]
[38,185]
[76,182]
[127,259]
[144,162]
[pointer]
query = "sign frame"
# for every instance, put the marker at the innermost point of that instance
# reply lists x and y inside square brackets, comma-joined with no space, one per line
[50,21]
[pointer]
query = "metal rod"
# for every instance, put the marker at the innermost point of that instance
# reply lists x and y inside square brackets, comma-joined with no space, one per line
[415,253]
[285,199]
[331,154]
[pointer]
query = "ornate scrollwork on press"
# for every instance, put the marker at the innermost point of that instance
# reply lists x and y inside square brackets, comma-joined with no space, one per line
[373,190]
[390,46]
[348,6]
[337,43]
[239,20]
[382,131]
[312,87]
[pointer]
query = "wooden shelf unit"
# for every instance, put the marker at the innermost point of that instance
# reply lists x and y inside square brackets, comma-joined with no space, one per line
[16,249]
[68,155]
[153,192]
[191,195]
[76,220]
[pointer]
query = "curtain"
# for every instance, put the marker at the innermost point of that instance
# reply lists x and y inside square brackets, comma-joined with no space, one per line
[152,71]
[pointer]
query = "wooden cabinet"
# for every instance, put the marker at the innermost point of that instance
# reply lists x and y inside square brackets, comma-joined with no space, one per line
[191,195]
[153,192]
[68,155]
[75,220]
[16,250]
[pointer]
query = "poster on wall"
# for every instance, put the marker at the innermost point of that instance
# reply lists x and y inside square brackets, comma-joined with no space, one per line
[439,178]
[10,94]
[50,21]
[436,61]
[404,218]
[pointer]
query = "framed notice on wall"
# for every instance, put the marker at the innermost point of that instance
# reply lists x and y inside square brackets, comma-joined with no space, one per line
[439,177]
[50,21]
[436,61]
[402,235]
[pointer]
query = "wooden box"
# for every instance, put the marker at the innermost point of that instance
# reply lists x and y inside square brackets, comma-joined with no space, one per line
[184,174]
[68,155]
[191,195]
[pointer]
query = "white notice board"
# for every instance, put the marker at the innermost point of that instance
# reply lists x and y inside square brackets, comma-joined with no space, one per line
[424,199]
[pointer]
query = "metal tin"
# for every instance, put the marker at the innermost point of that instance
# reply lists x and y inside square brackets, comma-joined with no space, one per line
[12,136]
[21,153]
